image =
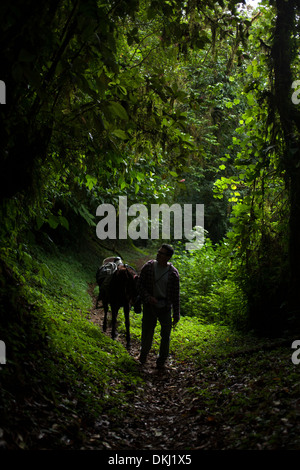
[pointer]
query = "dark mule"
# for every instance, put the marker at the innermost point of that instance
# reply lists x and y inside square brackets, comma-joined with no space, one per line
[121,292]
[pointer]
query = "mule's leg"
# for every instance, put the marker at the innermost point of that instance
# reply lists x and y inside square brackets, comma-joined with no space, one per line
[127,324]
[105,316]
[100,292]
[114,314]
[98,298]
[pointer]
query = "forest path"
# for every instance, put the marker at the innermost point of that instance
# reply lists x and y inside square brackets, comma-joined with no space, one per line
[164,413]
[248,400]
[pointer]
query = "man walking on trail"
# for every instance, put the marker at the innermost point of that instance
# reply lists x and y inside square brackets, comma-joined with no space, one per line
[159,291]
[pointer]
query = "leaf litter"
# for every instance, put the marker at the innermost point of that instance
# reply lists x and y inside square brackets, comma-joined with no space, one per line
[249,400]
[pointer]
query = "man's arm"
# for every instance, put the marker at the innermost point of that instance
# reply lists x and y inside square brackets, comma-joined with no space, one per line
[145,283]
[176,295]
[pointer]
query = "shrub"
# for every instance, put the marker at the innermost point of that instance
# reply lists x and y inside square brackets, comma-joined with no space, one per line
[208,287]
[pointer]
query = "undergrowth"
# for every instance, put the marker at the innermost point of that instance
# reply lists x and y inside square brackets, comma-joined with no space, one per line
[191,340]
[209,287]
[60,364]
[67,350]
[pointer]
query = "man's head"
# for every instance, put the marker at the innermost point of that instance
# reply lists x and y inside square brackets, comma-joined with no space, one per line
[164,253]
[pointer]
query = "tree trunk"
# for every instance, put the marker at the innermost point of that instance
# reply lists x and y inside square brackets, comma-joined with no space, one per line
[283,53]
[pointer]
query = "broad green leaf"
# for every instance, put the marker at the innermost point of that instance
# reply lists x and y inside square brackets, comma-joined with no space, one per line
[118,110]
[64,222]
[91,181]
[39,222]
[120,134]
[53,221]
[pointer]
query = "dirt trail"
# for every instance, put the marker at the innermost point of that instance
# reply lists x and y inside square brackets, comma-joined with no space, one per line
[164,414]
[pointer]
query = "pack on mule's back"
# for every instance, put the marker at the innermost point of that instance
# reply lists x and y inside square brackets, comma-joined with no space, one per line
[112,259]
[108,267]
[105,271]
[104,274]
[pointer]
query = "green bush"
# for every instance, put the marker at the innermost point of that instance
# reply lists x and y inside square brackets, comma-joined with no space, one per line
[209,290]
[67,350]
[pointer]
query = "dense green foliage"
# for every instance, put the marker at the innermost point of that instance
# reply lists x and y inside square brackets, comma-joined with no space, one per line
[161,102]
[56,336]
[209,286]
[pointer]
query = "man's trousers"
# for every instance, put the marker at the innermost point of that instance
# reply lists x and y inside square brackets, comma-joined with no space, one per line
[150,317]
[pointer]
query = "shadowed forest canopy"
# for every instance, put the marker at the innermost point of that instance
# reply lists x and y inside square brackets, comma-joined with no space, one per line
[181,101]
[160,101]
